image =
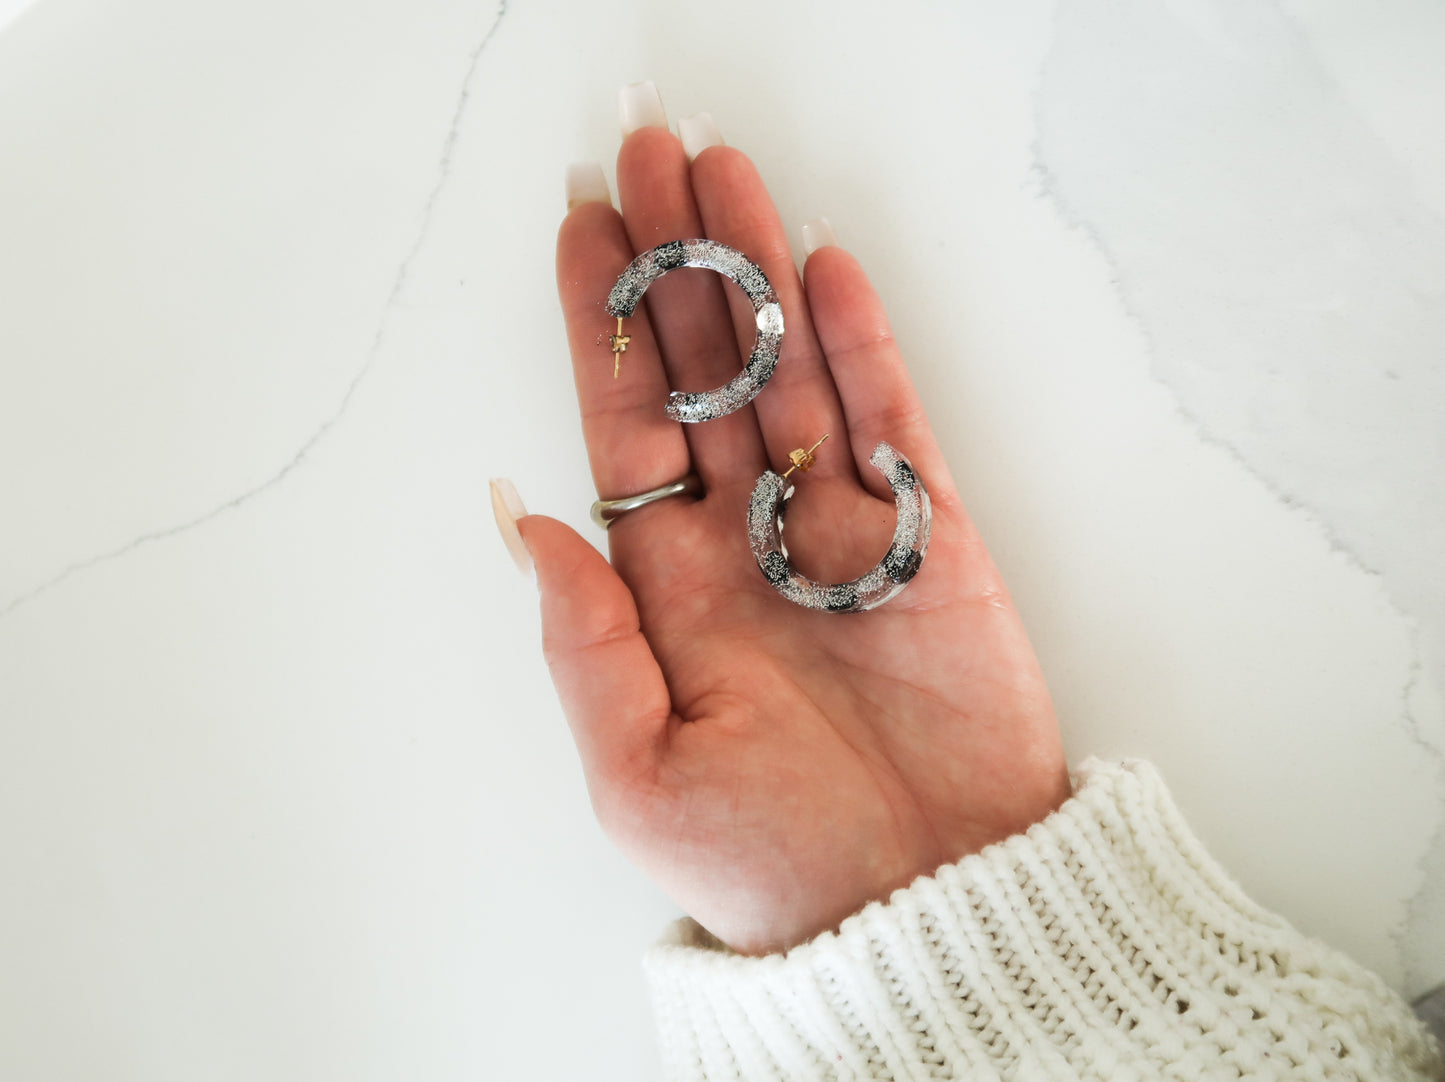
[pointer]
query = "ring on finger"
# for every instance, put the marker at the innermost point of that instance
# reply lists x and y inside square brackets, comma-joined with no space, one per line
[605,512]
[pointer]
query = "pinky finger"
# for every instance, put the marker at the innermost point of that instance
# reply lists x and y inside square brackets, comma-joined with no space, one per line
[879,400]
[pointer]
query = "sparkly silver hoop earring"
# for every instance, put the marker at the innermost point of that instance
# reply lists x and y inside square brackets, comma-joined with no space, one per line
[886,581]
[744,387]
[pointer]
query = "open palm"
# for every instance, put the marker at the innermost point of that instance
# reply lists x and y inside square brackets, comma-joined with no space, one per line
[772,767]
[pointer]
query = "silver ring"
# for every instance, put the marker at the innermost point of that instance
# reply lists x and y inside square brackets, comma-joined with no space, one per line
[604,511]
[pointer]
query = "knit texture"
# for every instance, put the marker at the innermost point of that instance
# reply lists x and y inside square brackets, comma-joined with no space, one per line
[1104,943]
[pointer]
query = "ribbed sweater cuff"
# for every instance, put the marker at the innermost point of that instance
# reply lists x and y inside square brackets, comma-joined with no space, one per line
[1103,943]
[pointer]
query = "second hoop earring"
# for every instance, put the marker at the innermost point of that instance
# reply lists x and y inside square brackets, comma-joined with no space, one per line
[885,581]
[693,407]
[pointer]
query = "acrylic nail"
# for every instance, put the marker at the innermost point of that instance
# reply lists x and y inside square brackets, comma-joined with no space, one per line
[507,506]
[698,132]
[640,106]
[586,184]
[818,234]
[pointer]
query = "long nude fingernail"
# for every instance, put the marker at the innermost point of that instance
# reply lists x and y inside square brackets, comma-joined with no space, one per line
[507,506]
[818,234]
[640,106]
[698,132]
[586,184]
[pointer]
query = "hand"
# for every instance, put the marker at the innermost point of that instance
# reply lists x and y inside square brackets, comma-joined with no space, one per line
[773,768]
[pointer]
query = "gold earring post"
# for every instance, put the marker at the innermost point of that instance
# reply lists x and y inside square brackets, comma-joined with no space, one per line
[803,460]
[618,342]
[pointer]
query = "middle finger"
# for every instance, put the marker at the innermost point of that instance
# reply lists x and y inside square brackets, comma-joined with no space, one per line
[687,308]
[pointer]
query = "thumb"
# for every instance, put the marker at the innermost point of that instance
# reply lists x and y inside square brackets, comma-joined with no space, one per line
[611,687]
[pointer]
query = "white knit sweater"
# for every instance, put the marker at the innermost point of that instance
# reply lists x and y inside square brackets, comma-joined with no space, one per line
[1104,943]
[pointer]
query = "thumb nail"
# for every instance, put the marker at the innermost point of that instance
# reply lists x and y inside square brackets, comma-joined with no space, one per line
[507,506]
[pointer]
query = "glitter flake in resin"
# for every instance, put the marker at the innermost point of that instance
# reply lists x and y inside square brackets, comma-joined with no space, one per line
[886,581]
[647,268]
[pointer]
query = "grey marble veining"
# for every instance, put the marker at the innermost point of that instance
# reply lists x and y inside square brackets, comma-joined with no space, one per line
[29,592]
[1291,286]
[279,286]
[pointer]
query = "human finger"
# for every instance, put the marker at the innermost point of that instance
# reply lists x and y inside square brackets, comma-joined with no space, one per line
[800,403]
[877,395]
[687,308]
[632,445]
[607,678]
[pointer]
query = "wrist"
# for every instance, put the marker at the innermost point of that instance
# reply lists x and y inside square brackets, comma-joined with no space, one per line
[1104,935]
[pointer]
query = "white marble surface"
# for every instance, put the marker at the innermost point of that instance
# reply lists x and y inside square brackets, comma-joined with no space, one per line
[283,790]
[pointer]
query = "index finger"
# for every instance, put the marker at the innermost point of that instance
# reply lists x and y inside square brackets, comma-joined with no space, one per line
[632,445]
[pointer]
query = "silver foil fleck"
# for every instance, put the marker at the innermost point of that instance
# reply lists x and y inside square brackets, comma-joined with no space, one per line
[632,283]
[769,504]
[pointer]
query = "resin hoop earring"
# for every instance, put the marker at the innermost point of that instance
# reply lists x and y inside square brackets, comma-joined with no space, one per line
[886,581]
[647,268]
